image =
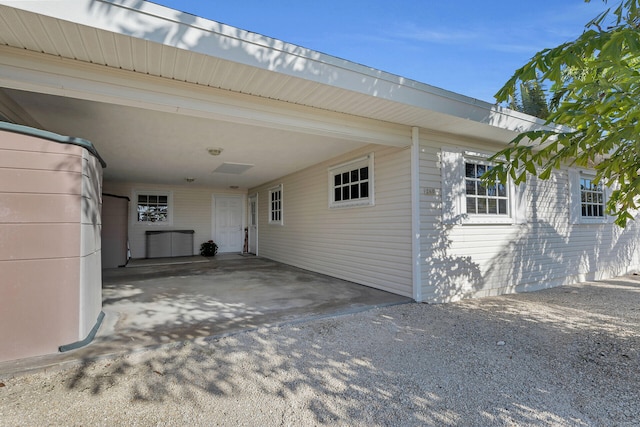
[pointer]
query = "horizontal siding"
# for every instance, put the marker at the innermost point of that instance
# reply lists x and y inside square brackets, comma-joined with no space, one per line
[192,210]
[366,245]
[49,256]
[41,197]
[546,250]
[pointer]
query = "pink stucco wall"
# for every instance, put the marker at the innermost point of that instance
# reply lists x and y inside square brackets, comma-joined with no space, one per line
[50,276]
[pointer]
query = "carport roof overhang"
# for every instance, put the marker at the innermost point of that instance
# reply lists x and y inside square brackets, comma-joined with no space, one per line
[142,55]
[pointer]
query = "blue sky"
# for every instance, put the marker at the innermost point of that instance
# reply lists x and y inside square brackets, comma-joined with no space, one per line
[467,46]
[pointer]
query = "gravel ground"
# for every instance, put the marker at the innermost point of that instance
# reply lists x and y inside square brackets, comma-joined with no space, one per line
[568,356]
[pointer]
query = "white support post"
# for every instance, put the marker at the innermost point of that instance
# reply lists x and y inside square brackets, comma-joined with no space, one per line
[415,215]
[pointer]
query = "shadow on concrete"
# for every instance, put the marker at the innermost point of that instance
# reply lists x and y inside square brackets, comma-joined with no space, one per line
[545,358]
[164,304]
[157,305]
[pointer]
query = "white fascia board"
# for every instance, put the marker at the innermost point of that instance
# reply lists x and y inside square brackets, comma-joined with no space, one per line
[149,21]
[35,72]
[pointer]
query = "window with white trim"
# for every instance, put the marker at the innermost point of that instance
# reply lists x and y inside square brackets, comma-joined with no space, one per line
[466,199]
[275,205]
[482,199]
[591,198]
[351,183]
[153,207]
[588,199]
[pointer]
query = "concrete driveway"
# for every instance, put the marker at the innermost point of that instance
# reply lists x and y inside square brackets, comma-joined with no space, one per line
[159,303]
[230,293]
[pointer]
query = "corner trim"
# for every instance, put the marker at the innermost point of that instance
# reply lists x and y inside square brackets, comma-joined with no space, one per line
[415,215]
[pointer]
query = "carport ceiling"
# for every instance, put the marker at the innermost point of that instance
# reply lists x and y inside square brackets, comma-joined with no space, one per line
[140,145]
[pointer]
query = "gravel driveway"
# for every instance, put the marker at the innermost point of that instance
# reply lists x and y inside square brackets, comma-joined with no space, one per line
[568,356]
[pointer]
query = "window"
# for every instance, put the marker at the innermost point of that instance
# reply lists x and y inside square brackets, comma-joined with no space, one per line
[480,198]
[153,207]
[275,205]
[466,199]
[591,198]
[588,199]
[351,183]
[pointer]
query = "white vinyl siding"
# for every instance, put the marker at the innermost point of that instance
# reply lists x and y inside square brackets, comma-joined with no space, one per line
[192,210]
[369,246]
[541,249]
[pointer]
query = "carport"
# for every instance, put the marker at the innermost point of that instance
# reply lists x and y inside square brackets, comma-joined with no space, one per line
[159,304]
[201,112]
[199,298]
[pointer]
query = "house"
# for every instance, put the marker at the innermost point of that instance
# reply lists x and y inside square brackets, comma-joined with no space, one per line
[329,165]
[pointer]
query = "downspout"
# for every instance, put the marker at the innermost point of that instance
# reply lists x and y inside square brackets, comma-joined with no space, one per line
[415,215]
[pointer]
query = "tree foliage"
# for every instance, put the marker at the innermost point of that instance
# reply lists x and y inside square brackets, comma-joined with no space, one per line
[530,99]
[594,109]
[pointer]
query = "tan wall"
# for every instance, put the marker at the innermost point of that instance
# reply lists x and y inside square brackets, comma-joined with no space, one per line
[192,210]
[367,245]
[50,281]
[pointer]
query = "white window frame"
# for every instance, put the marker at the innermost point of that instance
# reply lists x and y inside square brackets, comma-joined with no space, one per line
[348,167]
[134,208]
[575,177]
[476,161]
[279,209]
[452,163]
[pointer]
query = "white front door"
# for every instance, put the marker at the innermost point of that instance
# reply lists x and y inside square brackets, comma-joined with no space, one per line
[228,233]
[253,224]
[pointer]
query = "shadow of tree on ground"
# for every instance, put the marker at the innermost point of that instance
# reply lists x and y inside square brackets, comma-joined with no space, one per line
[562,356]
[163,304]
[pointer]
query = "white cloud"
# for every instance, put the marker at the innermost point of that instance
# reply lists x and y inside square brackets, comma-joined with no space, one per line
[435,35]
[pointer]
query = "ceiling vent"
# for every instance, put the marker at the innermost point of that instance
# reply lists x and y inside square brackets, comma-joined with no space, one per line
[233,168]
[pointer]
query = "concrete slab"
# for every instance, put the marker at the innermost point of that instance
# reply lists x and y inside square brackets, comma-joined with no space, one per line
[155,305]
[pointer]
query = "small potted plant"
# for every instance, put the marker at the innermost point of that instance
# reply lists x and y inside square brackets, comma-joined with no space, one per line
[208,248]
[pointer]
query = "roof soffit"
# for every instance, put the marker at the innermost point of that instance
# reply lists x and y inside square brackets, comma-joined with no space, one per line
[22,71]
[251,63]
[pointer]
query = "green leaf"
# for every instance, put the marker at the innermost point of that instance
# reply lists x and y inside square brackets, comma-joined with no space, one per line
[530,167]
[545,174]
